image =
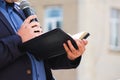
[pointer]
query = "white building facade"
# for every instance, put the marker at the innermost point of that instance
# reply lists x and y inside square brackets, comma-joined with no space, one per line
[101,18]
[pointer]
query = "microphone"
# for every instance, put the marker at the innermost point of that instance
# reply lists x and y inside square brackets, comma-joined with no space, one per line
[27,10]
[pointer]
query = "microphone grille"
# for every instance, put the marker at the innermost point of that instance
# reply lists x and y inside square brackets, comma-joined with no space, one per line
[24,4]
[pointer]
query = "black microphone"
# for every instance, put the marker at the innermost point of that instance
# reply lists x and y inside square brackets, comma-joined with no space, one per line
[27,10]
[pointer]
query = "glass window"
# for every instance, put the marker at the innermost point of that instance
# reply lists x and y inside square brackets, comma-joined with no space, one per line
[115,29]
[53,18]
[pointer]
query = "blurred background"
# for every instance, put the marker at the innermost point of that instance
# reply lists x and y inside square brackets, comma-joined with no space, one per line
[101,18]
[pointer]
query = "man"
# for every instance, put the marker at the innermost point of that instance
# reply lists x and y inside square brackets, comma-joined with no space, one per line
[18,65]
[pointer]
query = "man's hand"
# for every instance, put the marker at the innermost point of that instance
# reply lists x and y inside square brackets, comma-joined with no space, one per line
[29,29]
[73,53]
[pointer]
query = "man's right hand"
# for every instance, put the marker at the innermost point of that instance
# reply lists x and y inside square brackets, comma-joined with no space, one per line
[29,30]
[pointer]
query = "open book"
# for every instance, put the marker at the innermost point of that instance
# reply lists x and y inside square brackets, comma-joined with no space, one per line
[50,44]
[80,35]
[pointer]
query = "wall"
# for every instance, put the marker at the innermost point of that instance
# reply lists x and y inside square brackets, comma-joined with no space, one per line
[99,62]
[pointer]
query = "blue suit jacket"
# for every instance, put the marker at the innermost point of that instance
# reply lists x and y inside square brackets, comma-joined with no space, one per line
[15,64]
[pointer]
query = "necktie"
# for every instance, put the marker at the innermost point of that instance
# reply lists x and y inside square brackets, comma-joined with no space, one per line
[14,17]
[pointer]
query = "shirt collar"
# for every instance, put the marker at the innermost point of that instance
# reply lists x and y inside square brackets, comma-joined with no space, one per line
[2,3]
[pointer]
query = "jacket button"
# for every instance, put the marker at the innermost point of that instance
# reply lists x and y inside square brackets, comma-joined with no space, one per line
[28,71]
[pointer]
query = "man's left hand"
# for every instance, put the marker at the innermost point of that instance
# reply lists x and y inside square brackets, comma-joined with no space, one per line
[72,52]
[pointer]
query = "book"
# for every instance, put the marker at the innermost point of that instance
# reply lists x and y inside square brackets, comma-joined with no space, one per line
[81,35]
[49,44]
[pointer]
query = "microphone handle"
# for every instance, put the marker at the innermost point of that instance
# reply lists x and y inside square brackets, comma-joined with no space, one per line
[28,12]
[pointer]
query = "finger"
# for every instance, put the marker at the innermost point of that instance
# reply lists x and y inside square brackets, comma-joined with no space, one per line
[36,29]
[34,24]
[41,30]
[28,20]
[37,34]
[81,46]
[80,49]
[66,48]
[71,46]
[85,41]
[69,53]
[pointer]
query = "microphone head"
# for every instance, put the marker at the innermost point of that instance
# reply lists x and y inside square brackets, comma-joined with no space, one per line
[24,4]
[27,10]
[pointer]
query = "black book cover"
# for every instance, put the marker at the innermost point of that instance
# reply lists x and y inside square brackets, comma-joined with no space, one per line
[48,45]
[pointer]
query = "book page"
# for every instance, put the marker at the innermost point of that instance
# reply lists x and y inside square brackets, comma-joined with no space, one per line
[80,35]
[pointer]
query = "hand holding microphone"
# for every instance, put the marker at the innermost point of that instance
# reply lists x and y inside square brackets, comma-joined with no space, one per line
[30,27]
[28,11]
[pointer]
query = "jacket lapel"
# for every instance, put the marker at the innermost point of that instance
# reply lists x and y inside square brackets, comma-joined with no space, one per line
[5,21]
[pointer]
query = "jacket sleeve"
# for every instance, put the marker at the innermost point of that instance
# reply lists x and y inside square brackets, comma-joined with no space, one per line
[62,62]
[9,50]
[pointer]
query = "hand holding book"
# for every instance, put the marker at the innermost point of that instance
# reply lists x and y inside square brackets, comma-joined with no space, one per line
[49,44]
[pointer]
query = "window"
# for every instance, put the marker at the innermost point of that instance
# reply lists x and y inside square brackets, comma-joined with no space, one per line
[53,18]
[115,29]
